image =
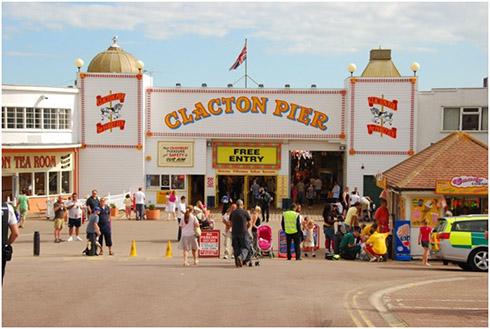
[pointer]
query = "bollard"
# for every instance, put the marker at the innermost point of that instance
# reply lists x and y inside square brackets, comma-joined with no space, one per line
[37,243]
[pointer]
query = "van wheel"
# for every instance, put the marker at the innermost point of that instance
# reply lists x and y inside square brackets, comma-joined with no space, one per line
[478,259]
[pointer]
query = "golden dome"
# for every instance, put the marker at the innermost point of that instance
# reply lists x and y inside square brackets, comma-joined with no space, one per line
[113,60]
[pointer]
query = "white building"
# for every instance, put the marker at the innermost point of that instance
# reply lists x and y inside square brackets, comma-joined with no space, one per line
[124,133]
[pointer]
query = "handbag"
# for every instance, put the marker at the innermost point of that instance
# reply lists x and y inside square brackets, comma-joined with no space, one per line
[197,232]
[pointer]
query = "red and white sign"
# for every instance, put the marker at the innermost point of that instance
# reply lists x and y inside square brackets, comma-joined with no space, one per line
[382,116]
[210,181]
[111,112]
[209,243]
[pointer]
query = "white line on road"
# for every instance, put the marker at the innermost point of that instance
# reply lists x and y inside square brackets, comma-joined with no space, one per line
[443,300]
[391,318]
[441,308]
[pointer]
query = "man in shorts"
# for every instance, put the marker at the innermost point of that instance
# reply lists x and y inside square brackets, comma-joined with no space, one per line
[59,218]
[74,217]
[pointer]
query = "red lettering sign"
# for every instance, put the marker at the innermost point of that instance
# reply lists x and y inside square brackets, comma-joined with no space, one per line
[109,98]
[383,130]
[209,243]
[113,124]
[6,164]
[383,102]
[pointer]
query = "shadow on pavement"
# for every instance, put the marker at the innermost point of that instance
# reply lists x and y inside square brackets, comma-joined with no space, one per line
[422,268]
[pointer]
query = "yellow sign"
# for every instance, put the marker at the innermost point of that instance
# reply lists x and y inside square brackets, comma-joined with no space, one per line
[246,156]
[425,209]
[448,188]
[175,154]
[162,197]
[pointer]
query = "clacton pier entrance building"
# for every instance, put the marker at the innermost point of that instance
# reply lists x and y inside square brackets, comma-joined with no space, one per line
[119,132]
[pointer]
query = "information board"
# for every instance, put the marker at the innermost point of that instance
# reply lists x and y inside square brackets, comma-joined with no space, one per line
[209,243]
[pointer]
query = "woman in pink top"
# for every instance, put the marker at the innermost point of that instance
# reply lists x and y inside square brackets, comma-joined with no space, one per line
[424,240]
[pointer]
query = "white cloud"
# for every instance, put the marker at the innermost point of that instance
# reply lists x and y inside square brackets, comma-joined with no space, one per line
[307,28]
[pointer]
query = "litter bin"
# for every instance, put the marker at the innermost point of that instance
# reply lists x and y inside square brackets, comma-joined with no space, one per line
[286,203]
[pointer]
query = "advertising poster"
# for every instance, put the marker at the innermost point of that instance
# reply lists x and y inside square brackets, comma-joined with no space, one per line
[209,243]
[283,246]
[428,209]
[402,240]
[316,238]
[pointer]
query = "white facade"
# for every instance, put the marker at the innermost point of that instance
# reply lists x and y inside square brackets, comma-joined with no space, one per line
[373,122]
[431,103]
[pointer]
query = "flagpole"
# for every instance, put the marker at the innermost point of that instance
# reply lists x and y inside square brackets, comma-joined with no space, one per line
[246,60]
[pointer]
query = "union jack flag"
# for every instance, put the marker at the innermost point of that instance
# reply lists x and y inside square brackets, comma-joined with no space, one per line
[241,58]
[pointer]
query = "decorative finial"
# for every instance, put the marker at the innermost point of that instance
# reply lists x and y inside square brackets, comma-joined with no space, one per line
[114,42]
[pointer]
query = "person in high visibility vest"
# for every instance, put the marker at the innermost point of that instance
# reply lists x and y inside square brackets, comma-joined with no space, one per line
[290,224]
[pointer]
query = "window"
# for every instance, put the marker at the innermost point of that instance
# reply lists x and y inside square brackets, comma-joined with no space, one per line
[165,182]
[49,119]
[35,118]
[53,183]
[40,183]
[25,182]
[65,182]
[178,182]
[64,119]
[465,118]
[152,181]
[470,226]
[10,117]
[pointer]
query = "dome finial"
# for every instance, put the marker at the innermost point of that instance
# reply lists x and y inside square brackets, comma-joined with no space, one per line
[114,42]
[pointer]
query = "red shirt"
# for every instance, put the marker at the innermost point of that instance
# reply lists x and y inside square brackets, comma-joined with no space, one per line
[425,233]
[382,217]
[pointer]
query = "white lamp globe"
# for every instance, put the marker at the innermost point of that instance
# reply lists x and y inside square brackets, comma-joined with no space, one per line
[415,67]
[140,64]
[79,62]
[351,67]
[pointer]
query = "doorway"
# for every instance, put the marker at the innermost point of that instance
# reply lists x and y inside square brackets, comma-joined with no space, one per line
[7,188]
[231,184]
[371,190]
[321,169]
[267,182]
[196,190]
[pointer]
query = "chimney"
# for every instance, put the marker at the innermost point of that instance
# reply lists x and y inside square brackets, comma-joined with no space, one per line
[485,82]
[380,54]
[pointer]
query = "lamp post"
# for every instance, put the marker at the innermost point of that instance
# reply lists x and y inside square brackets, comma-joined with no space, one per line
[415,67]
[79,63]
[140,65]
[351,68]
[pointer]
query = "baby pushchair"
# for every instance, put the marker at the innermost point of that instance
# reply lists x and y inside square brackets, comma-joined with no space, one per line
[264,241]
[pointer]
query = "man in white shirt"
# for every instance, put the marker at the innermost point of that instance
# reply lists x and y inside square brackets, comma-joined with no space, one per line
[140,204]
[180,211]
[74,216]
[354,197]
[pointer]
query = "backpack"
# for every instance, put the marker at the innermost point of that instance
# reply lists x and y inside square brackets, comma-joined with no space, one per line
[267,198]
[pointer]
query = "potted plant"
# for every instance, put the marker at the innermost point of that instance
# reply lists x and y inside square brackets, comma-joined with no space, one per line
[152,213]
[114,210]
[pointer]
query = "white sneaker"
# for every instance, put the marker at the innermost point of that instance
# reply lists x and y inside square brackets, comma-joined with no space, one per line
[70,239]
[79,238]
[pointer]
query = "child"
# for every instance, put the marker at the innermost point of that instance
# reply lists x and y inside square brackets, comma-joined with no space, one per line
[128,203]
[424,240]
[93,232]
[309,241]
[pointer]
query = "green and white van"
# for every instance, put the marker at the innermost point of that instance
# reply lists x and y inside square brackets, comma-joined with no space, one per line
[462,240]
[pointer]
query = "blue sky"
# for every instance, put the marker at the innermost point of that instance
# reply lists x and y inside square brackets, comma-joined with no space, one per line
[296,43]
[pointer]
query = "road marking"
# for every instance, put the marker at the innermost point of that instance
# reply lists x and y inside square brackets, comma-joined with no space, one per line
[349,309]
[391,318]
[442,308]
[361,313]
[443,300]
